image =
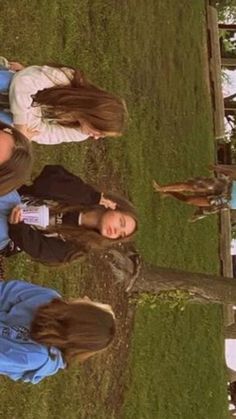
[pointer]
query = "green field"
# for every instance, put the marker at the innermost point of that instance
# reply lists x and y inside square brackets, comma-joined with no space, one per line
[169,363]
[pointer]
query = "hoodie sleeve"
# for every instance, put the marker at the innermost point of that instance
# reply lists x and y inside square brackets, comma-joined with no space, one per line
[42,364]
[29,361]
[15,292]
[52,133]
[58,184]
[26,83]
[43,248]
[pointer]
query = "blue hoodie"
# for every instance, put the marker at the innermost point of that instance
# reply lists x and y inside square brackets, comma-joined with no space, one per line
[20,357]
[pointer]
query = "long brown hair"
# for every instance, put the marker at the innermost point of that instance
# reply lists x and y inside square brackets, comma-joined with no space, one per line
[85,240]
[77,328]
[81,100]
[16,170]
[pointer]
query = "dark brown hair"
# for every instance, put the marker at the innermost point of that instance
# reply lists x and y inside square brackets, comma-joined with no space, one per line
[86,240]
[77,328]
[81,100]
[16,170]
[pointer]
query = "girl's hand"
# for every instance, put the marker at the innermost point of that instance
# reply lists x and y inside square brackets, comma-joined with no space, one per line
[107,203]
[15,66]
[16,216]
[26,131]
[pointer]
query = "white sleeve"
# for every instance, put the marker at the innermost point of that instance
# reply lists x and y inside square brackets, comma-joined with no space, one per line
[29,81]
[21,89]
[58,76]
[51,134]
[26,83]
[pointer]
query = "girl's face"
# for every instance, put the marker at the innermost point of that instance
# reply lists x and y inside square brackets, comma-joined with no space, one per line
[94,133]
[6,146]
[116,224]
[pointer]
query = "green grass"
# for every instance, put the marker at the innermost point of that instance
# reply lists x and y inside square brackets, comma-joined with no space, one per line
[160,387]
[151,53]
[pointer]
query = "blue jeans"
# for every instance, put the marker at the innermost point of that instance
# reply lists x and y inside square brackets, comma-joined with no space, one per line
[232,200]
[5,81]
[6,117]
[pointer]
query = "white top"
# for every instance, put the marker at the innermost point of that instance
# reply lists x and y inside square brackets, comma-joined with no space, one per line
[26,83]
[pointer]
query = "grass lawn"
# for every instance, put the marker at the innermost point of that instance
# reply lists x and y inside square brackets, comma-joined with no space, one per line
[190,388]
[151,53]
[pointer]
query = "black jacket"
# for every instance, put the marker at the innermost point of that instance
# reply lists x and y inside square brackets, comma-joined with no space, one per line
[57,184]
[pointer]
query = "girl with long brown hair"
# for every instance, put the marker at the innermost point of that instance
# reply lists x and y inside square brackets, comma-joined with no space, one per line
[58,104]
[81,219]
[41,332]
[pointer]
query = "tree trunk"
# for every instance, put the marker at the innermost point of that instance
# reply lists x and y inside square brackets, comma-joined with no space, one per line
[213,288]
[144,278]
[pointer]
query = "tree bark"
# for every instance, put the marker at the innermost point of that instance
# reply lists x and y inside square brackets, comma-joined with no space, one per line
[145,278]
[212,288]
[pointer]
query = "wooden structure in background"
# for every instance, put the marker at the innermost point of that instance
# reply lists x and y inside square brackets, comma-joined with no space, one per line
[229,62]
[215,71]
[228,26]
[219,130]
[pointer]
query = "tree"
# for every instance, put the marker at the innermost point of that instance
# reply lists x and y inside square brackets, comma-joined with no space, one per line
[215,289]
[140,277]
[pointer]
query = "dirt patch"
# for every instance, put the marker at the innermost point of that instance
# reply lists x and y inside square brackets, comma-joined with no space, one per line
[110,370]
[106,375]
